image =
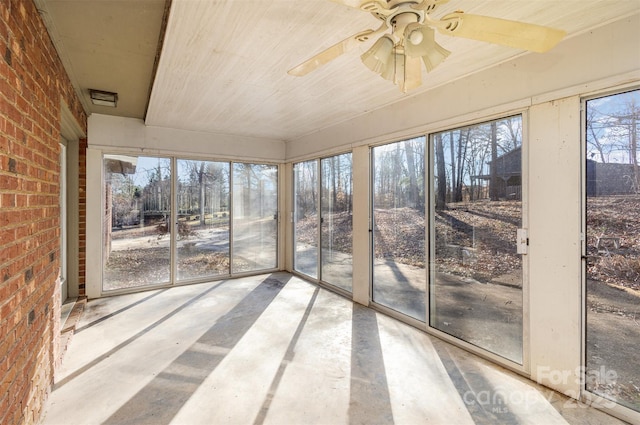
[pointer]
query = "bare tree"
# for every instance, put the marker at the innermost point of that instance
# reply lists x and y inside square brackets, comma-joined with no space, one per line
[453,164]
[628,119]
[413,193]
[511,129]
[463,144]
[493,171]
[441,191]
[594,133]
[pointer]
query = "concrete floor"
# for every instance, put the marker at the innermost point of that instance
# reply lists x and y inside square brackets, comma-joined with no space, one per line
[274,349]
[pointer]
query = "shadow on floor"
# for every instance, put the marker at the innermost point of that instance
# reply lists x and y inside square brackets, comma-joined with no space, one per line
[171,388]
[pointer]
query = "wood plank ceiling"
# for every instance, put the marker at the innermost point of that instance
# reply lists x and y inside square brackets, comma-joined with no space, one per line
[223,65]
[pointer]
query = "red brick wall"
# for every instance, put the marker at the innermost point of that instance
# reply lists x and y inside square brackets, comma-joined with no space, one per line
[32,85]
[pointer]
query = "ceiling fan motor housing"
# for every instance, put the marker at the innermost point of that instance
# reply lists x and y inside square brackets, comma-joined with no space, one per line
[399,14]
[400,20]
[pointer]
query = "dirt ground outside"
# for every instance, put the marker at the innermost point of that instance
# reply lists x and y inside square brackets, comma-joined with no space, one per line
[612,351]
[140,255]
[613,298]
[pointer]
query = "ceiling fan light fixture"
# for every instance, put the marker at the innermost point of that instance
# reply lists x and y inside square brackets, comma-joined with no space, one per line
[419,39]
[432,53]
[435,56]
[412,77]
[415,37]
[394,67]
[379,55]
[403,71]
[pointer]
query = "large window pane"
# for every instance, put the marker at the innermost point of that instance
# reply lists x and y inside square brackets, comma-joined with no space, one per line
[336,221]
[202,246]
[137,217]
[399,275]
[255,217]
[613,248]
[476,274]
[305,241]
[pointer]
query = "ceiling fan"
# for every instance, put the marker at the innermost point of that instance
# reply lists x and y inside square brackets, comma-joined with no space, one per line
[396,56]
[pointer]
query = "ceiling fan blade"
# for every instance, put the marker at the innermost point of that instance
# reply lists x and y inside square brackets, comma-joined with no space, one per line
[330,54]
[520,35]
[335,51]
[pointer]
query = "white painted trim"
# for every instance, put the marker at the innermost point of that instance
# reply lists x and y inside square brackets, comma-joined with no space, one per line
[361,243]
[116,134]
[70,129]
[588,89]
[286,191]
[64,259]
[555,246]
[526,282]
[71,132]
[629,79]
[94,231]
[282,214]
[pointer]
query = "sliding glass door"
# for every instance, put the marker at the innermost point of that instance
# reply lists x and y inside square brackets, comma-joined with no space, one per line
[306,219]
[475,287]
[399,274]
[336,221]
[171,220]
[612,357]
[323,220]
[255,217]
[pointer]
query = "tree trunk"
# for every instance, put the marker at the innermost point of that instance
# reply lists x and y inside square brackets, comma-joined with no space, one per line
[247,191]
[334,183]
[441,192]
[411,168]
[462,157]
[633,154]
[201,193]
[454,179]
[493,185]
